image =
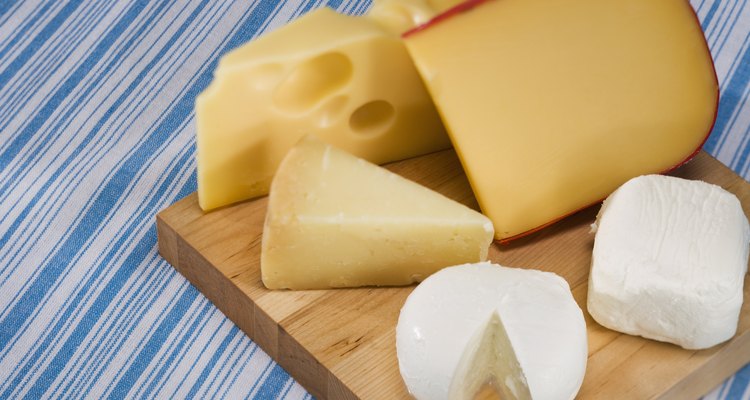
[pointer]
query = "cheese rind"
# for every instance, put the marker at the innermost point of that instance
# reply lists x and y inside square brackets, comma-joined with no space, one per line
[553,104]
[669,261]
[341,78]
[468,323]
[335,220]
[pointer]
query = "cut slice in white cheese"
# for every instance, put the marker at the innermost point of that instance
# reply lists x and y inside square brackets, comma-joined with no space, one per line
[468,325]
[669,261]
[335,220]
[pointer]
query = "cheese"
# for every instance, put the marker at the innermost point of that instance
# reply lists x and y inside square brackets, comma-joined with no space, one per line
[669,261]
[344,79]
[470,324]
[399,16]
[553,104]
[335,220]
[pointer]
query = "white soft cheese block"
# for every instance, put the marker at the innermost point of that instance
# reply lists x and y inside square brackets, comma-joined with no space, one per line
[336,220]
[468,325]
[669,261]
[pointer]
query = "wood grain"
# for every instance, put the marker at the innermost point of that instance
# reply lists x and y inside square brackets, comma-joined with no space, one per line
[340,344]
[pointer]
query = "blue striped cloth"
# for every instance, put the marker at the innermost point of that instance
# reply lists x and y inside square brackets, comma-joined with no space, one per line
[97,136]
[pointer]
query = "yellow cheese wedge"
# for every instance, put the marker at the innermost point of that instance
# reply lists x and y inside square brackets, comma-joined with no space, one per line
[344,79]
[336,220]
[553,104]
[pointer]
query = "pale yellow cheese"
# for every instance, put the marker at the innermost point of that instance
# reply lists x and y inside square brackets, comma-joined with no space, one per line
[344,79]
[399,16]
[336,220]
[553,104]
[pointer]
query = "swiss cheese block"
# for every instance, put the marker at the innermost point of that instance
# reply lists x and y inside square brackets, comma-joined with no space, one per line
[468,325]
[669,261]
[553,104]
[344,79]
[336,220]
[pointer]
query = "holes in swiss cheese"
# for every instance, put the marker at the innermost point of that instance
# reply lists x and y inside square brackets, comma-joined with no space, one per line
[372,118]
[312,81]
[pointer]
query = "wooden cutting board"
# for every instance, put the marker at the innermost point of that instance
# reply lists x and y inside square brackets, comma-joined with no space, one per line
[340,344]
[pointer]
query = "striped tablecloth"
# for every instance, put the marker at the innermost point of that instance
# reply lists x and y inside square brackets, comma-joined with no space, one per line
[97,135]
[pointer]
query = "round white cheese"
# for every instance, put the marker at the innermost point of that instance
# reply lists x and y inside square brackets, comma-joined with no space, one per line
[669,261]
[473,324]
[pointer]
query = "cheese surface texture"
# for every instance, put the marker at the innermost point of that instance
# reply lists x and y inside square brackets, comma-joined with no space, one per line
[553,104]
[669,261]
[344,79]
[468,325]
[399,16]
[335,220]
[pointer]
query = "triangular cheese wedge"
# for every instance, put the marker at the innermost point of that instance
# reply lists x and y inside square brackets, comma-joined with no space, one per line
[489,358]
[335,220]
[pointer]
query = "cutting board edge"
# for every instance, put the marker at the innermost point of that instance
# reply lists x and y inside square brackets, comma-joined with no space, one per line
[177,251]
[717,367]
[304,366]
[262,329]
